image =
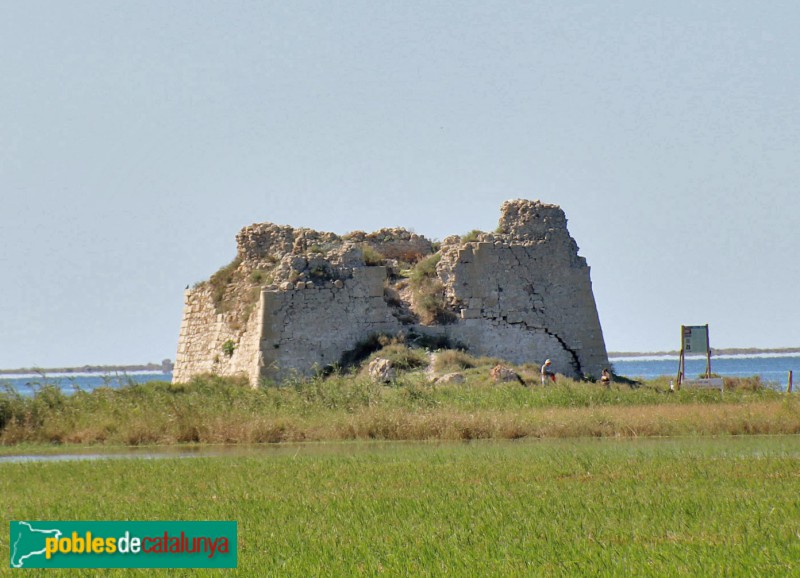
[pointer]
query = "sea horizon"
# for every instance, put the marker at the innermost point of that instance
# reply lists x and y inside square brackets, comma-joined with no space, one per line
[155,368]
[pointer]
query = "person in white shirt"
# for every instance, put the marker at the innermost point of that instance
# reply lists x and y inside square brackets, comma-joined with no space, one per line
[546,373]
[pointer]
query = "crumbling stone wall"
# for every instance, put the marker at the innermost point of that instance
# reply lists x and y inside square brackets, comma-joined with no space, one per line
[525,289]
[311,327]
[522,293]
[203,337]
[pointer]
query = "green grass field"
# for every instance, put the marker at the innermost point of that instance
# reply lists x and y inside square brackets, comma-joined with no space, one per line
[670,507]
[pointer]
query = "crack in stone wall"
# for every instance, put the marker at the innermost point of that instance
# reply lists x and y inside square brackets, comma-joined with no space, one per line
[576,362]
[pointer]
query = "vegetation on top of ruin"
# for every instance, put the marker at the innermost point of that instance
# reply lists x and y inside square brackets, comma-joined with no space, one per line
[427,290]
[235,290]
[472,236]
[260,276]
[281,257]
[425,269]
[220,282]
[412,287]
[372,257]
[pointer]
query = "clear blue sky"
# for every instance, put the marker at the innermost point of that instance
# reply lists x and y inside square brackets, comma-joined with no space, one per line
[137,138]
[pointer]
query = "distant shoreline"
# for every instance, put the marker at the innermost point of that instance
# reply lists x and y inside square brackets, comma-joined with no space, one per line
[714,351]
[163,367]
[166,366]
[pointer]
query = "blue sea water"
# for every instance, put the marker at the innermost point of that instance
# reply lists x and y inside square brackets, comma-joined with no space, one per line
[69,383]
[773,368]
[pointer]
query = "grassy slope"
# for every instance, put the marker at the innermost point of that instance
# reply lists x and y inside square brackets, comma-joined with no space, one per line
[620,508]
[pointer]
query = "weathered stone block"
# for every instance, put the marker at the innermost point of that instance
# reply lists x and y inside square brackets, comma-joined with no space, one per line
[450,379]
[502,373]
[380,370]
[470,313]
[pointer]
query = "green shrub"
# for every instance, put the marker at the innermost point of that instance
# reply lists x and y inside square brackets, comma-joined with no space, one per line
[320,273]
[425,270]
[227,291]
[372,257]
[259,276]
[229,347]
[408,257]
[220,281]
[471,237]
[430,306]
[752,383]
[453,360]
[403,358]
[428,291]
[7,406]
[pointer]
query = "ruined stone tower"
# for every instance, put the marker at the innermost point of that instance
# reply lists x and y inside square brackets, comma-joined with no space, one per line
[297,300]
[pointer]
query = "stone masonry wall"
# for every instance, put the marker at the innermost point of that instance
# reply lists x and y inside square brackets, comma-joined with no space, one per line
[313,326]
[521,293]
[521,303]
[203,335]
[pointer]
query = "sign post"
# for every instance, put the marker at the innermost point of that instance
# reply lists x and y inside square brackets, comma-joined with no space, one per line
[694,339]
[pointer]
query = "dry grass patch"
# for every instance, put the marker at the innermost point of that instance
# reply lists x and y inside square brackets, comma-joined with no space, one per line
[346,406]
[609,421]
[456,360]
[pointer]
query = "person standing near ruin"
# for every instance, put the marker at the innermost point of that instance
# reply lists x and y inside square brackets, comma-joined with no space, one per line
[605,378]
[546,373]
